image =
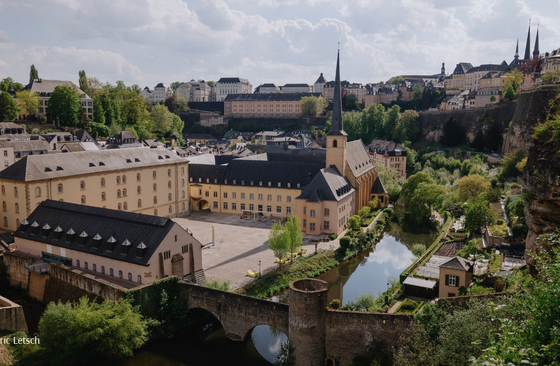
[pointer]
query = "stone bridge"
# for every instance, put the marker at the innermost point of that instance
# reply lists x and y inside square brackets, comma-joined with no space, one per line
[318,336]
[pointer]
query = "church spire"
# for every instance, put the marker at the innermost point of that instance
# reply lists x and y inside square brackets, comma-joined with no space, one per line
[528,45]
[536,50]
[336,125]
[517,50]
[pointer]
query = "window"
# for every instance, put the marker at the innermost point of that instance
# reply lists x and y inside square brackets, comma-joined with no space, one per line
[120,273]
[304,223]
[234,206]
[169,184]
[206,194]
[78,263]
[242,207]
[225,194]
[82,185]
[83,200]
[118,179]
[269,197]
[102,269]
[125,206]
[215,194]
[278,209]
[94,267]
[452,280]
[260,197]
[288,211]
[289,199]
[305,210]
[155,199]
[326,225]
[5,152]
[124,178]
[182,194]
[251,207]
[167,254]
[86,265]
[60,188]
[118,193]
[185,249]
[278,198]
[5,221]
[138,189]
[269,208]
[103,197]
[16,192]
[225,205]
[139,279]
[155,187]
[138,177]
[17,208]
[139,203]
[154,174]
[312,226]
[334,143]
[242,196]
[251,196]
[215,205]
[119,207]
[155,212]
[124,192]
[234,195]
[37,192]
[326,212]
[169,197]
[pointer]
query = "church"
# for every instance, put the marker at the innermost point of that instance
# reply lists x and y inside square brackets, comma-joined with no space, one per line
[323,187]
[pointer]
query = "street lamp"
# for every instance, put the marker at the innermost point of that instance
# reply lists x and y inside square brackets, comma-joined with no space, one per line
[259,268]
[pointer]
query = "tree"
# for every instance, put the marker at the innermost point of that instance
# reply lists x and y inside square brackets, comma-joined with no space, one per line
[33,73]
[510,94]
[493,98]
[98,112]
[364,211]
[8,107]
[354,222]
[161,118]
[407,127]
[28,101]
[352,122]
[8,83]
[478,214]
[416,92]
[391,119]
[294,233]
[176,104]
[278,240]
[98,130]
[87,331]
[478,141]
[312,106]
[471,186]
[64,106]
[83,81]
[513,78]
[395,80]
[175,85]
[420,193]
[550,76]
[351,103]
[390,179]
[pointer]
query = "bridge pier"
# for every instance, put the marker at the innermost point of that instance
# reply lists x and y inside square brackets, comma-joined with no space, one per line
[307,321]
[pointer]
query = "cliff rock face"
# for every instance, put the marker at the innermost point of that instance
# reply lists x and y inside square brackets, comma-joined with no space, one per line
[531,110]
[541,176]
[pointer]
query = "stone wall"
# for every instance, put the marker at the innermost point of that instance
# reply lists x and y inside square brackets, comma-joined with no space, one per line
[37,285]
[349,333]
[11,316]
[16,261]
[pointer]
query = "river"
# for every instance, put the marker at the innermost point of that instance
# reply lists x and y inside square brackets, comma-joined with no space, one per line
[368,272]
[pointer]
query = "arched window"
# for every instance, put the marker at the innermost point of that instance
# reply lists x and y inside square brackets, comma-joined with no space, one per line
[5,221]
[17,222]
[120,273]
[119,207]
[182,182]
[124,192]
[37,192]
[170,209]
[111,272]
[125,206]
[183,171]
[155,199]
[102,182]
[138,177]
[82,185]
[139,203]
[60,188]
[183,194]
[124,178]
[83,200]
[155,212]
[118,193]
[85,265]
[17,207]
[139,279]
[4,207]
[103,197]
[78,263]
[16,192]
[169,172]
[129,276]
[169,197]
[335,143]
[94,267]
[102,269]
[154,174]
[118,179]
[155,187]
[139,189]
[4,190]
[169,184]
[183,206]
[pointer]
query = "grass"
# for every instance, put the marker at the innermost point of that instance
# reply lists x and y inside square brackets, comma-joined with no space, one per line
[409,306]
[500,230]
[218,284]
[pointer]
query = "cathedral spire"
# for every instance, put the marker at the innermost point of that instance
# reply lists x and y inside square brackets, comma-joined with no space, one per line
[528,45]
[336,125]
[536,50]
[517,49]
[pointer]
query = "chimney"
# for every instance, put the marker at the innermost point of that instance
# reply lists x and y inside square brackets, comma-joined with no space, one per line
[97,240]
[34,227]
[70,234]
[83,238]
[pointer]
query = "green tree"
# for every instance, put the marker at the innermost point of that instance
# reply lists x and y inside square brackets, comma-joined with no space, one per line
[279,240]
[98,130]
[407,128]
[312,106]
[161,118]
[373,123]
[98,112]
[420,193]
[8,107]
[478,214]
[28,101]
[364,211]
[175,85]
[551,76]
[351,102]
[176,104]
[510,94]
[7,83]
[471,187]
[513,78]
[390,179]
[354,222]
[64,107]
[391,120]
[294,233]
[352,122]
[87,331]
[493,98]
[33,73]
[395,80]
[83,81]
[416,92]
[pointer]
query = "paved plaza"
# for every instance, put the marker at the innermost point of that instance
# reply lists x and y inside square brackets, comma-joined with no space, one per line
[240,245]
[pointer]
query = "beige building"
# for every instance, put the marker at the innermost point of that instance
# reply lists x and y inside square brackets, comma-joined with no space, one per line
[474,75]
[233,85]
[455,84]
[149,181]
[128,246]
[45,88]
[196,91]
[280,105]
[389,154]
[348,88]
[454,274]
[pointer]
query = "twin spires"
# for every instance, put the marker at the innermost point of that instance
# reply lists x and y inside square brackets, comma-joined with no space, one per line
[536,50]
[336,125]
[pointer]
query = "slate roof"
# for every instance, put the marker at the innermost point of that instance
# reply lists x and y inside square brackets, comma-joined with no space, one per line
[327,185]
[232,80]
[11,128]
[200,136]
[39,167]
[357,158]
[489,67]
[26,147]
[419,282]
[269,96]
[462,68]
[84,136]
[52,221]
[45,87]
[302,85]
[321,79]
[386,147]
[458,263]
[377,187]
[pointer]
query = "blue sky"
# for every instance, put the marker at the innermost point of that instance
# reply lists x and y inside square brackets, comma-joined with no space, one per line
[279,41]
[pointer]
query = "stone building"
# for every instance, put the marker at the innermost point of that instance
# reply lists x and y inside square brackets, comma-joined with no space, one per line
[128,246]
[196,91]
[149,181]
[390,154]
[44,89]
[279,105]
[234,85]
[160,92]
[296,88]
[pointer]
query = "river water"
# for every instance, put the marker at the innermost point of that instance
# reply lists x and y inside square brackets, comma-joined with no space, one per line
[368,272]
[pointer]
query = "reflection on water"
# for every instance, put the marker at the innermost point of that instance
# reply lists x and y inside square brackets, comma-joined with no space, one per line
[372,269]
[268,341]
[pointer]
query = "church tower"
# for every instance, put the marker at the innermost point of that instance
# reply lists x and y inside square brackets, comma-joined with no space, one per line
[528,44]
[536,50]
[337,138]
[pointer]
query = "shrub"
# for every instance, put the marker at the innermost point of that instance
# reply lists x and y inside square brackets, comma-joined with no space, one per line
[345,242]
[354,222]
[333,236]
[218,284]
[418,249]
[362,238]
[335,304]
[389,211]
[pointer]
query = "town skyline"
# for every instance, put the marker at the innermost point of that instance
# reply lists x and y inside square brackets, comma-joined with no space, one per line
[270,42]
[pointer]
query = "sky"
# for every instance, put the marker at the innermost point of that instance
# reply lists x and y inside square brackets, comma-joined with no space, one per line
[145,42]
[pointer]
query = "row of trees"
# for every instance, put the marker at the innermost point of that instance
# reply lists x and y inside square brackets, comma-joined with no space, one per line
[376,121]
